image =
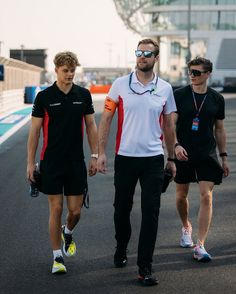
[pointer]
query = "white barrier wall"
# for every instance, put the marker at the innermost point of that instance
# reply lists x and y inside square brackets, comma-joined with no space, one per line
[11,99]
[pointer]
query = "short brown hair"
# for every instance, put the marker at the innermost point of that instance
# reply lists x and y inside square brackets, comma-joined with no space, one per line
[150,41]
[66,58]
[206,63]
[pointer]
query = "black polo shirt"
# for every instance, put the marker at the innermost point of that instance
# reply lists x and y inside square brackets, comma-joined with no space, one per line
[62,121]
[199,144]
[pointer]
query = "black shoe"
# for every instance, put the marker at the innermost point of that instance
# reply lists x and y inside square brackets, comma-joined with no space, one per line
[120,257]
[146,278]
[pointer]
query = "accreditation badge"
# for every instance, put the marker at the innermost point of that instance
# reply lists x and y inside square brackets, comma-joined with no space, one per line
[195,124]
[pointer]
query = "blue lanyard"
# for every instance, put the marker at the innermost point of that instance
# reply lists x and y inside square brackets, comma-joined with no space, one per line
[150,91]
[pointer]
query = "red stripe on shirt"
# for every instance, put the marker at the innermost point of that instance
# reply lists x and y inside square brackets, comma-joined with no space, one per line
[45,135]
[82,127]
[161,125]
[120,123]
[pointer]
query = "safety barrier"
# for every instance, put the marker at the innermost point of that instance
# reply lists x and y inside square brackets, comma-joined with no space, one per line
[99,89]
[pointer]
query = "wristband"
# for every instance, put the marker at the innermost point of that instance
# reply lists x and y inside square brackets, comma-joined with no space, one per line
[177,144]
[170,159]
[223,154]
[94,155]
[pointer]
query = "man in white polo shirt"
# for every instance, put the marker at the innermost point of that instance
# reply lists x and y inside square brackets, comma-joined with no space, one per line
[145,105]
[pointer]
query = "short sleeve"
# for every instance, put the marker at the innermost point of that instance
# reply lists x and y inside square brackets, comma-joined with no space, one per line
[38,109]
[89,103]
[221,109]
[170,105]
[114,91]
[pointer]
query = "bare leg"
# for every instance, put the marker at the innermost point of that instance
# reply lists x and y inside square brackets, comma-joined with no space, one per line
[182,203]
[205,211]
[55,209]
[74,205]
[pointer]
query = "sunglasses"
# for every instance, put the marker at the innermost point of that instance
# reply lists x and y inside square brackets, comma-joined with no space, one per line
[145,53]
[196,73]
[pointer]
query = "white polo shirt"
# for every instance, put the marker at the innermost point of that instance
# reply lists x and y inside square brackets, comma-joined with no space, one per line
[139,131]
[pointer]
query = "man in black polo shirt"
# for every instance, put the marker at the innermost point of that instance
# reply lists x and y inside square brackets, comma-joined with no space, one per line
[60,111]
[200,129]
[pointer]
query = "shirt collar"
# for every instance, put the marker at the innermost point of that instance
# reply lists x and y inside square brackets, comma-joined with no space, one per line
[136,81]
[72,90]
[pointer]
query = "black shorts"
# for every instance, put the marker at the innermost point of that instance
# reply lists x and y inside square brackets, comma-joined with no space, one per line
[208,170]
[68,178]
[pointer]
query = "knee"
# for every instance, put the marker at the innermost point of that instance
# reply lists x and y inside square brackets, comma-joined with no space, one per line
[75,213]
[122,207]
[206,198]
[181,192]
[56,209]
[181,197]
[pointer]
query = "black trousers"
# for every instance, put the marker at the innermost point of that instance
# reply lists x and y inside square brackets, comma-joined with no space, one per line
[150,172]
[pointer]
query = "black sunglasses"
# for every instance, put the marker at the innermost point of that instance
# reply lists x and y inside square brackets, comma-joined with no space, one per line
[196,73]
[145,53]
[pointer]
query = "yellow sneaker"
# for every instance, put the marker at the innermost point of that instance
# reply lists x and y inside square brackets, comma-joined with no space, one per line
[69,246]
[58,266]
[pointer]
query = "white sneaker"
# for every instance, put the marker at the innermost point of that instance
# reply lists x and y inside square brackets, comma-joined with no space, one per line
[186,238]
[200,254]
[58,266]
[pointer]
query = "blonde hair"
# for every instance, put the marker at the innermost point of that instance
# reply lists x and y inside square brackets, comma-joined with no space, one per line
[66,58]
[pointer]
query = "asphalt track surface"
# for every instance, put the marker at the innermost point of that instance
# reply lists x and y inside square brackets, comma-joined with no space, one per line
[26,257]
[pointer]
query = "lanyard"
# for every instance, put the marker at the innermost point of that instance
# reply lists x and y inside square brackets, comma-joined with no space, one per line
[195,103]
[150,91]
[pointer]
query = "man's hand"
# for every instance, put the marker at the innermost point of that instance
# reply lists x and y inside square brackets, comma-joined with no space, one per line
[171,166]
[225,166]
[92,167]
[102,163]
[181,153]
[30,172]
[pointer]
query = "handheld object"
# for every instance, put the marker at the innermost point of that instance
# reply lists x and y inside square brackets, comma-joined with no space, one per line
[167,179]
[34,186]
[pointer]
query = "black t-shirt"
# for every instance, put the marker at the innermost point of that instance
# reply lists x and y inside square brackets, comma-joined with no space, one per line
[201,143]
[62,121]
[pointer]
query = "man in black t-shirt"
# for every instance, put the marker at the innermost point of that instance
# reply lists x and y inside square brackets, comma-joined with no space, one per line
[200,129]
[60,111]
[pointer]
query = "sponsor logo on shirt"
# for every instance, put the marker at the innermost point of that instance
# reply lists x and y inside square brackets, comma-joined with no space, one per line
[77,102]
[54,104]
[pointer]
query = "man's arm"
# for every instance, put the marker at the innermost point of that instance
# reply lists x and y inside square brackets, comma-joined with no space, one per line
[220,136]
[103,133]
[170,139]
[32,145]
[91,128]
[180,152]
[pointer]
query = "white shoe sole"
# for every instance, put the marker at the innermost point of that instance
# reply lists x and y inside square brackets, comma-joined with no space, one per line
[59,270]
[205,258]
[184,245]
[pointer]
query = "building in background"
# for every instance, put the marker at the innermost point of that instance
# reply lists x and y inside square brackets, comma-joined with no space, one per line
[36,57]
[33,56]
[186,29]
[103,75]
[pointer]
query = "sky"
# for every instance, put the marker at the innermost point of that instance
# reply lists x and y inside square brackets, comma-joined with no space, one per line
[91,28]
